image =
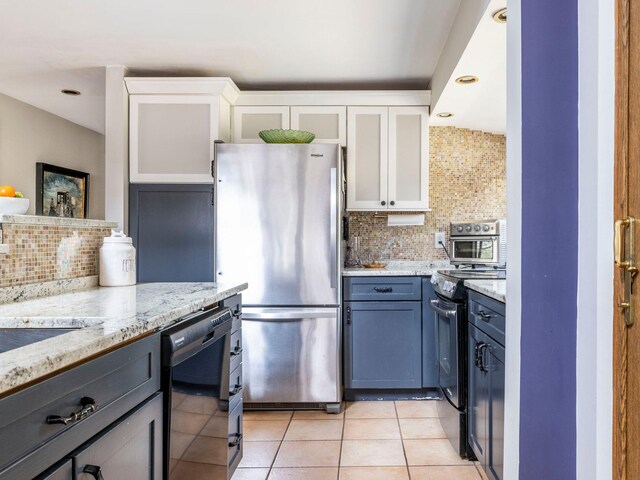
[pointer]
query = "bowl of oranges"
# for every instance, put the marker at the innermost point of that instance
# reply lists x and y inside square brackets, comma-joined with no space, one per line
[12,202]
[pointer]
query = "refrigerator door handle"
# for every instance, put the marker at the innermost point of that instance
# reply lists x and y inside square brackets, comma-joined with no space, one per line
[275,314]
[334,228]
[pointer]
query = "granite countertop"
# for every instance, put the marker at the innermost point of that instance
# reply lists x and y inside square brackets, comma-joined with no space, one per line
[105,317]
[496,289]
[399,269]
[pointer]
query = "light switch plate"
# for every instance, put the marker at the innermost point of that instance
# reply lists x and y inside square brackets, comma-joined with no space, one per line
[439,237]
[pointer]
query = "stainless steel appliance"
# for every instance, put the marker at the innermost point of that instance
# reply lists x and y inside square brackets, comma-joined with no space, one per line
[479,243]
[278,211]
[450,308]
[202,411]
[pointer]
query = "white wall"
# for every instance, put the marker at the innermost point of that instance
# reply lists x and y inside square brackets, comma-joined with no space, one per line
[514,234]
[29,135]
[596,32]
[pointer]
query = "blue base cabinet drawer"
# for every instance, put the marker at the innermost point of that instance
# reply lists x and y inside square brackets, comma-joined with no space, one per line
[382,289]
[383,345]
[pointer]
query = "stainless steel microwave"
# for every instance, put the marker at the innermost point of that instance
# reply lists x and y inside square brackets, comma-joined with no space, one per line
[479,243]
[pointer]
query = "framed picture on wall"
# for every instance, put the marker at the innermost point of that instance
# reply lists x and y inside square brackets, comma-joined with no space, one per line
[61,192]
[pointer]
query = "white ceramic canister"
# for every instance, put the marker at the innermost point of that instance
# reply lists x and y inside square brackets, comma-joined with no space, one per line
[117,261]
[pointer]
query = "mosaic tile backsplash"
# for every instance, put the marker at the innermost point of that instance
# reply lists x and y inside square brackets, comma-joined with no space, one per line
[468,181]
[42,253]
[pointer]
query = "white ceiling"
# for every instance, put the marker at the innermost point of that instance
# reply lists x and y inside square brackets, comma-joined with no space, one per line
[276,44]
[480,106]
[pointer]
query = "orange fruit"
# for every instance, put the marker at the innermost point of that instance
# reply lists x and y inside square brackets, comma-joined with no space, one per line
[7,191]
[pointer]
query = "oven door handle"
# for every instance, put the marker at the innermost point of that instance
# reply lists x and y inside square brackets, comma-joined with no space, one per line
[435,305]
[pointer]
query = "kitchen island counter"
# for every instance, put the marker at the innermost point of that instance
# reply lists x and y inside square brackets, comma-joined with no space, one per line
[103,318]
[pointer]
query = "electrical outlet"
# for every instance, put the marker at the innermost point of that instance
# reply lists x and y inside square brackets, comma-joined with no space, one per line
[439,237]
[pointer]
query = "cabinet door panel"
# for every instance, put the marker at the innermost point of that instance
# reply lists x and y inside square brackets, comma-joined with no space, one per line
[367,158]
[496,451]
[249,121]
[478,396]
[408,158]
[171,138]
[132,448]
[384,344]
[329,124]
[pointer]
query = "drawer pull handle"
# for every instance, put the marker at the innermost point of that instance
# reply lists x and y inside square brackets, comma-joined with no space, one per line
[236,441]
[236,351]
[88,407]
[383,289]
[236,390]
[94,471]
[237,313]
[485,316]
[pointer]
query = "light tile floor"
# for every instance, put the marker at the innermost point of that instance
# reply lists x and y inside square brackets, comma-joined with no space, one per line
[368,441]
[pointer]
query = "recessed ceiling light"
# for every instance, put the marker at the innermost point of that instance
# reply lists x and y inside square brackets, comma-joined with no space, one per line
[467,80]
[444,114]
[68,91]
[500,16]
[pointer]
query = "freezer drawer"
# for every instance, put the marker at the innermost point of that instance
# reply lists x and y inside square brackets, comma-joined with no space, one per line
[291,355]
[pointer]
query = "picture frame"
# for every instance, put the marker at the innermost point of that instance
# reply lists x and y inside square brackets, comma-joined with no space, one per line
[61,192]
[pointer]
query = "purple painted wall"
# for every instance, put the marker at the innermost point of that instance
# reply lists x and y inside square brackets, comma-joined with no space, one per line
[549,239]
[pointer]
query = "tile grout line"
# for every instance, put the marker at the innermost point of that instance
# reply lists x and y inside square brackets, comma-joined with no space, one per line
[344,422]
[273,462]
[404,452]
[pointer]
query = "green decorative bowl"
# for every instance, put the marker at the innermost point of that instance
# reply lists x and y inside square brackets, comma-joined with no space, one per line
[286,136]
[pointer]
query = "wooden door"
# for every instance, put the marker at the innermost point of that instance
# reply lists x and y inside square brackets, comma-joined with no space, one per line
[626,333]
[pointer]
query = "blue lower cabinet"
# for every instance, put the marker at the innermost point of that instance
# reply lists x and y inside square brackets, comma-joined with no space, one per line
[429,332]
[383,345]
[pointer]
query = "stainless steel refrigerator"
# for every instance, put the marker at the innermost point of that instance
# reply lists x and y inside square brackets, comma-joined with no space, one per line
[278,219]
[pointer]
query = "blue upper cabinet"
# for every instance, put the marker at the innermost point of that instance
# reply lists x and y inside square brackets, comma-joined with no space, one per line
[383,345]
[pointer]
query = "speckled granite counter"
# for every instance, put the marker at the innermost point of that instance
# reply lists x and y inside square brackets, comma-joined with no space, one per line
[105,317]
[496,289]
[399,269]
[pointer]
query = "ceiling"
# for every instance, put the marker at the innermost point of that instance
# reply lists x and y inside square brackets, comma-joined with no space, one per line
[483,105]
[278,44]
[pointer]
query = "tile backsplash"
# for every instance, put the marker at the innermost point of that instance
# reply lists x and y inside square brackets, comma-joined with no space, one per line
[44,252]
[467,181]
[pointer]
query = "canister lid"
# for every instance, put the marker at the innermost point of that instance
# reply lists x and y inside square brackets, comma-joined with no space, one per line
[118,237]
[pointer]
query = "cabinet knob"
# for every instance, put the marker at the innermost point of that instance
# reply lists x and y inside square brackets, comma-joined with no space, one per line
[383,203]
[392,203]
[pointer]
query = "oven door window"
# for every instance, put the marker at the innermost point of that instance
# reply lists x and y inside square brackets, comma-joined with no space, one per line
[474,249]
[199,412]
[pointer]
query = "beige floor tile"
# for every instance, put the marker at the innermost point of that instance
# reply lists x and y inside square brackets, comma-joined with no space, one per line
[416,408]
[314,430]
[316,415]
[258,454]
[374,473]
[250,474]
[264,430]
[199,471]
[483,474]
[432,452]
[267,414]
[371,429]
[444,473]
[370,410]
[216,427]
[179,444]
[372,453]
[185,422]
[308,454]
[207,450]
[318,473]
[417,428]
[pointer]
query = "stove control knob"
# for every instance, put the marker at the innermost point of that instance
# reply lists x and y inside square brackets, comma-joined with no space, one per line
[477,228]
[468,229]
[485,228]
[460,229]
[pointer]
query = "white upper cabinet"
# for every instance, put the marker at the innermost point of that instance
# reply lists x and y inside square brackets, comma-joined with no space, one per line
[248,121]
[329,124]
[388,158]
[408,158]
[367,158]
[171,137]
